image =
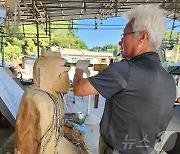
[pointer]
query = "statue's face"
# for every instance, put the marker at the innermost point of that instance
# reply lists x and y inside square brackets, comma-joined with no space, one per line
[60,76]
[52,74]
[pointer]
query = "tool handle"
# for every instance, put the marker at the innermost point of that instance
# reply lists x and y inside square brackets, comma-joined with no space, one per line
[96,100]
[74,64]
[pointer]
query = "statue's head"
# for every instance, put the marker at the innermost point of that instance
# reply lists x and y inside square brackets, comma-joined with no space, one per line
[50,73]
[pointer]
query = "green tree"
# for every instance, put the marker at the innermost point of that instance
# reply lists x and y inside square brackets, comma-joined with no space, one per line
[11,51]
[25,42]
[171,41]
[106,48]
[64,37]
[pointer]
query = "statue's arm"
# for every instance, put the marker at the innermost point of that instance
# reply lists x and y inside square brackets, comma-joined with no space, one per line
[28,132]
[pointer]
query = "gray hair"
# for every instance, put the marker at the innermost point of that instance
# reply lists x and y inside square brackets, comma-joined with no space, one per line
[148,18]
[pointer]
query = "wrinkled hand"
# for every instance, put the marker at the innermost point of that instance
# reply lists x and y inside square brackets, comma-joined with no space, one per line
[83,64]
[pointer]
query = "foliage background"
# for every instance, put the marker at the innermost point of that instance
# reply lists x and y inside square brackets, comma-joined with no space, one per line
[62,36]
[25,41]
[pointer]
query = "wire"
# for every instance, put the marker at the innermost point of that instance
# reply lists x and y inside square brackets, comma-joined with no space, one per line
[54,126]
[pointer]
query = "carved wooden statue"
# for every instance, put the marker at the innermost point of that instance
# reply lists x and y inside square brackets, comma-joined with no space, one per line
[40,117]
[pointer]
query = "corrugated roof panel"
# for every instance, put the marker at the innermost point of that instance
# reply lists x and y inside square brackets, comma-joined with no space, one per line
[53,10]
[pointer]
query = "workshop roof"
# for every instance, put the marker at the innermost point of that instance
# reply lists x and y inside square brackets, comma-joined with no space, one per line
[56,10]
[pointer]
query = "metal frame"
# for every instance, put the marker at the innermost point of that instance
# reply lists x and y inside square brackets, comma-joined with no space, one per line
[43,10]
[48,11]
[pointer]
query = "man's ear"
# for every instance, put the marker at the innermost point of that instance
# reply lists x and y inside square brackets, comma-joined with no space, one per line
[143,36]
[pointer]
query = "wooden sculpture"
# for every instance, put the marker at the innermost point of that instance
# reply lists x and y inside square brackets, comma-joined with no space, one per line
[40,117]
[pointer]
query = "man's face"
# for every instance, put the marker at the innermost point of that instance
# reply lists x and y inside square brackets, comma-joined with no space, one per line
[128,41]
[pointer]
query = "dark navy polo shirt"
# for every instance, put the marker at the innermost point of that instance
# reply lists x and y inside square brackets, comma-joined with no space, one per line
[140,95]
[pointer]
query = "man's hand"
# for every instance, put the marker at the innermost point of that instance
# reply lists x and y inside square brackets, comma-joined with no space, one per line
[83,64]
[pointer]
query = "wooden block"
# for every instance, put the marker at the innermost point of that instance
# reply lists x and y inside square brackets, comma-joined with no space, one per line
[100,67]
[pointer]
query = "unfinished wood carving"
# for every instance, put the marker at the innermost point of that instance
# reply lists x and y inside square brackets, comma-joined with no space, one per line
[40,116]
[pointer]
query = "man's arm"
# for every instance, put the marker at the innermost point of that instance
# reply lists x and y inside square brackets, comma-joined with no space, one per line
[82,86]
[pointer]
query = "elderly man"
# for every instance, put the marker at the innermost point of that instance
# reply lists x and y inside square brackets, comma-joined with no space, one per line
[139,92]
